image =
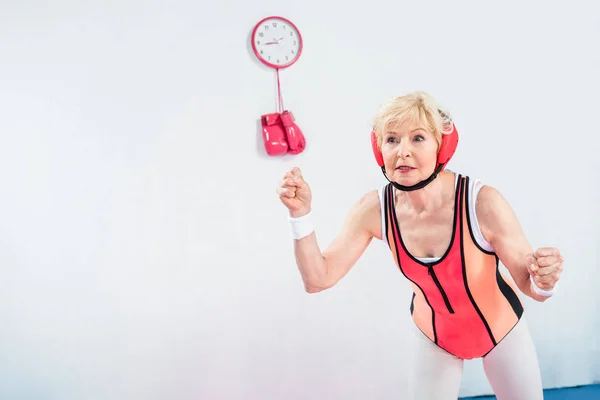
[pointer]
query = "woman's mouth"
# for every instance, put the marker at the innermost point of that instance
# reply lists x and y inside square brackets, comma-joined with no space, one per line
[404,169]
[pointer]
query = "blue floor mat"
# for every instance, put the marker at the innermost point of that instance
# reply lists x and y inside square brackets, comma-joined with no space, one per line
[591,392]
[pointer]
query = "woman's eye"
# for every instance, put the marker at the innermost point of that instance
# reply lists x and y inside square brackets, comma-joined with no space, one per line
[391,139]
[419,138]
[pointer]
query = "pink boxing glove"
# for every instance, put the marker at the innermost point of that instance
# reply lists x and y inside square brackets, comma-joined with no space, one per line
[273,134]
[295,138]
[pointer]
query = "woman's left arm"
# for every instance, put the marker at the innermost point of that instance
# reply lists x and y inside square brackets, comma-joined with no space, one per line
[501,228]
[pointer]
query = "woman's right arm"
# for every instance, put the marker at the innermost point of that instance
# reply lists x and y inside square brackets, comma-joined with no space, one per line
[322,270]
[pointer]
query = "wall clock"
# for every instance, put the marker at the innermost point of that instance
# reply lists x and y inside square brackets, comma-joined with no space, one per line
[276,42]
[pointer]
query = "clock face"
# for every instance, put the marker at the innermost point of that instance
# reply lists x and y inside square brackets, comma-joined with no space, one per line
[276,42]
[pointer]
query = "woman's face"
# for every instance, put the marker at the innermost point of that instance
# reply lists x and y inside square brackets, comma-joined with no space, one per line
[409,153]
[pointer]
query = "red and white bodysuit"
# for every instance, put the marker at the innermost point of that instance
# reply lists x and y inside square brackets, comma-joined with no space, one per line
[464,308]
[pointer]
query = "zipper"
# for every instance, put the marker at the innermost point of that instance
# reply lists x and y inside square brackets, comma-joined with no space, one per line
[439,285]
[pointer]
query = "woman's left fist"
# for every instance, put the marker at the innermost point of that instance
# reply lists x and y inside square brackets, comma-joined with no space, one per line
[545,267]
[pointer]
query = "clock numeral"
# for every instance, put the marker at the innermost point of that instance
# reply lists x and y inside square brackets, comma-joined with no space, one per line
[291,33]
[293,52]
[261,52]
[261,34]
[274,24]
[284,26]
[266,27]
[258,42]
[278,61]
[269,58]
[294,42]
[287,58]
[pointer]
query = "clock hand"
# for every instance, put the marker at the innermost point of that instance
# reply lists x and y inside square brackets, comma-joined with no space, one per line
[276,41]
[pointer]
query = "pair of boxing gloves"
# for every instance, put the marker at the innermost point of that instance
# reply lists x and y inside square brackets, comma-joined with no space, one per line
[281,135]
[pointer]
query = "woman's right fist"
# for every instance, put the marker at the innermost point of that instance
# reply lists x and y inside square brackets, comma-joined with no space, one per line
[295,193]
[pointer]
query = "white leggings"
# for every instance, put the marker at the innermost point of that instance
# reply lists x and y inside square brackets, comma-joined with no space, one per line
[511,368]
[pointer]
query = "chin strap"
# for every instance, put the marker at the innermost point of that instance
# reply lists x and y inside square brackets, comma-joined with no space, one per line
[417,186]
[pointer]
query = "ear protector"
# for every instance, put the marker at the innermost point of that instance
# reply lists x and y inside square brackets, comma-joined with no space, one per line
[447,150]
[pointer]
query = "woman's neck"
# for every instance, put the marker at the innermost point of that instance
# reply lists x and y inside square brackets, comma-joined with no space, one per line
[429,199]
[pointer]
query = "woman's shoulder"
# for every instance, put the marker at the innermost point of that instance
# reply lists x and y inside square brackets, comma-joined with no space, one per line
[366,212]
[369,202]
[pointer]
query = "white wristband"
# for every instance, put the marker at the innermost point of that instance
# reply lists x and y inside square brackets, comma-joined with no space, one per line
[302,226]
[539,291]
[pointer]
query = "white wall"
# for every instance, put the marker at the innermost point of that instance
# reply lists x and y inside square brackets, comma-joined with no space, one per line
[143,251]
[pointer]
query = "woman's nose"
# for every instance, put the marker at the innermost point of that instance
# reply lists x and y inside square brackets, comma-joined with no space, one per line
[404,149]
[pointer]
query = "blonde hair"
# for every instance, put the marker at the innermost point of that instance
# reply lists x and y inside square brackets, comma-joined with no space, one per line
[417,107]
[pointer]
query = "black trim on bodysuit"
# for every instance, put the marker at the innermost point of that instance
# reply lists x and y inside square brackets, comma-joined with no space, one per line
[506,290]
[464,264]
[395,228]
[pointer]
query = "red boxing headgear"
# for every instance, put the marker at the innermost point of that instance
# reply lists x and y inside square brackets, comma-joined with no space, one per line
[447,150]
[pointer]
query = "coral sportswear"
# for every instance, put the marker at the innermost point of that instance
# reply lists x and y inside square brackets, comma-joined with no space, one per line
[461,301]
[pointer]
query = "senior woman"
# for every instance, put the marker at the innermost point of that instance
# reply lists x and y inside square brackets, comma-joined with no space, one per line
[447,234]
